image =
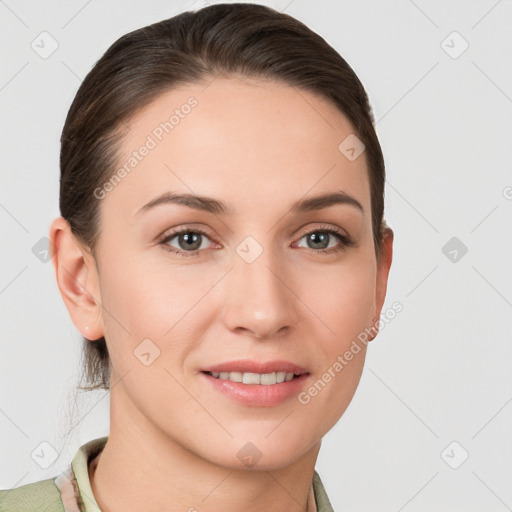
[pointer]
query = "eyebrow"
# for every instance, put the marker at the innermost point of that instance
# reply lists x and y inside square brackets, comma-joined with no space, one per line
[215,206]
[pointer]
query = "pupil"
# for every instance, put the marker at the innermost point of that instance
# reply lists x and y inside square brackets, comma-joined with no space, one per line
[319,238]
[189,239]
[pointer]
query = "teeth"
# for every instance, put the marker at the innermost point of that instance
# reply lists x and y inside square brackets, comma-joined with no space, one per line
[268,378]
[251,378]
[235,376]
[265,379]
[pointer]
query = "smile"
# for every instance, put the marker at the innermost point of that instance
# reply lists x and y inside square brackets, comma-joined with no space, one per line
[265,379]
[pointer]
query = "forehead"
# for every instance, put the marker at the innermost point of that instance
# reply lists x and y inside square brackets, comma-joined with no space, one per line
[239,138]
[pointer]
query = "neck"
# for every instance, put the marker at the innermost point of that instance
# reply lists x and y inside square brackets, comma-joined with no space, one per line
[142,468]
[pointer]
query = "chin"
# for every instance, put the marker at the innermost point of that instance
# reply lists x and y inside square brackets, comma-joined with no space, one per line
[261,454]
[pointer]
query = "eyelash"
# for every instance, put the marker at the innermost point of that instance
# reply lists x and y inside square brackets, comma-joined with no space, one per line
[345,240]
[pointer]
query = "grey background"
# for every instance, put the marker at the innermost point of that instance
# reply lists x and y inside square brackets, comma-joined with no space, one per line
[439,372]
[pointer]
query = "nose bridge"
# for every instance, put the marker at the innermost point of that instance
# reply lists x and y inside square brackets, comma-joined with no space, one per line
[259,297]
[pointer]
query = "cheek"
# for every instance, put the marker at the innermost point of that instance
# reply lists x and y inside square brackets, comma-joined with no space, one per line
[342,296]
[145,298]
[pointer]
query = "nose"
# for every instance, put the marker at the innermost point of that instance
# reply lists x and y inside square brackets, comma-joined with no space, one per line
[259,298]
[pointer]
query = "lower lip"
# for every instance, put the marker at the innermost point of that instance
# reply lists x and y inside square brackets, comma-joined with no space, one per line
[258,395]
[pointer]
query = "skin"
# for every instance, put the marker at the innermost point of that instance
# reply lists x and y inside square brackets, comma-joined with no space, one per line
[259,146]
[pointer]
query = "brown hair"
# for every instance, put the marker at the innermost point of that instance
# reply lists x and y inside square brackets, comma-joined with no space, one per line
[220,40]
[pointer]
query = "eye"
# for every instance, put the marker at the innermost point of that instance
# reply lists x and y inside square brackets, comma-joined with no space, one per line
[186,242]
[189,242]
[325,240]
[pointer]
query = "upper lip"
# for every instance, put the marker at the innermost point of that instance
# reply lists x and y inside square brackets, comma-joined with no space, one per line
[245,365]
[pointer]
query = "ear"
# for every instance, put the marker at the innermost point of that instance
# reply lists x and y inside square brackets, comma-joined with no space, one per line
[383,266]
[77,279]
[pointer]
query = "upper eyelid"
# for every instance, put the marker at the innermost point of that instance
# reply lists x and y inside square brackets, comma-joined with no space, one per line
[324,227]
[171,234]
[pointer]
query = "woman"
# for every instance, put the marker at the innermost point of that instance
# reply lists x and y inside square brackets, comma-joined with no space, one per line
[222,249]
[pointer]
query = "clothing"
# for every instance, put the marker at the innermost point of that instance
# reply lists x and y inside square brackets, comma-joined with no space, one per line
[71,490]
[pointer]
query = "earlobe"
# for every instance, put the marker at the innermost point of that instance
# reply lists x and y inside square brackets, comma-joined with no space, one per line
[77,279]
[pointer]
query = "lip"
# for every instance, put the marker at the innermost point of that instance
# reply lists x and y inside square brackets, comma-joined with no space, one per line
[257,395]
[246,365]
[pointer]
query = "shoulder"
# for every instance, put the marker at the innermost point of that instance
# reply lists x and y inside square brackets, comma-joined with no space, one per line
[61,493]
[42,495]
[323,503]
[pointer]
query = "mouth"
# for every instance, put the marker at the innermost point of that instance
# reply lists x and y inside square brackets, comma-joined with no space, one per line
[256,384]
[262,379]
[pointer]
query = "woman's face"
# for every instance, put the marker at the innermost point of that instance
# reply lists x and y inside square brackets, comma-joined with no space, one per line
[265,279]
